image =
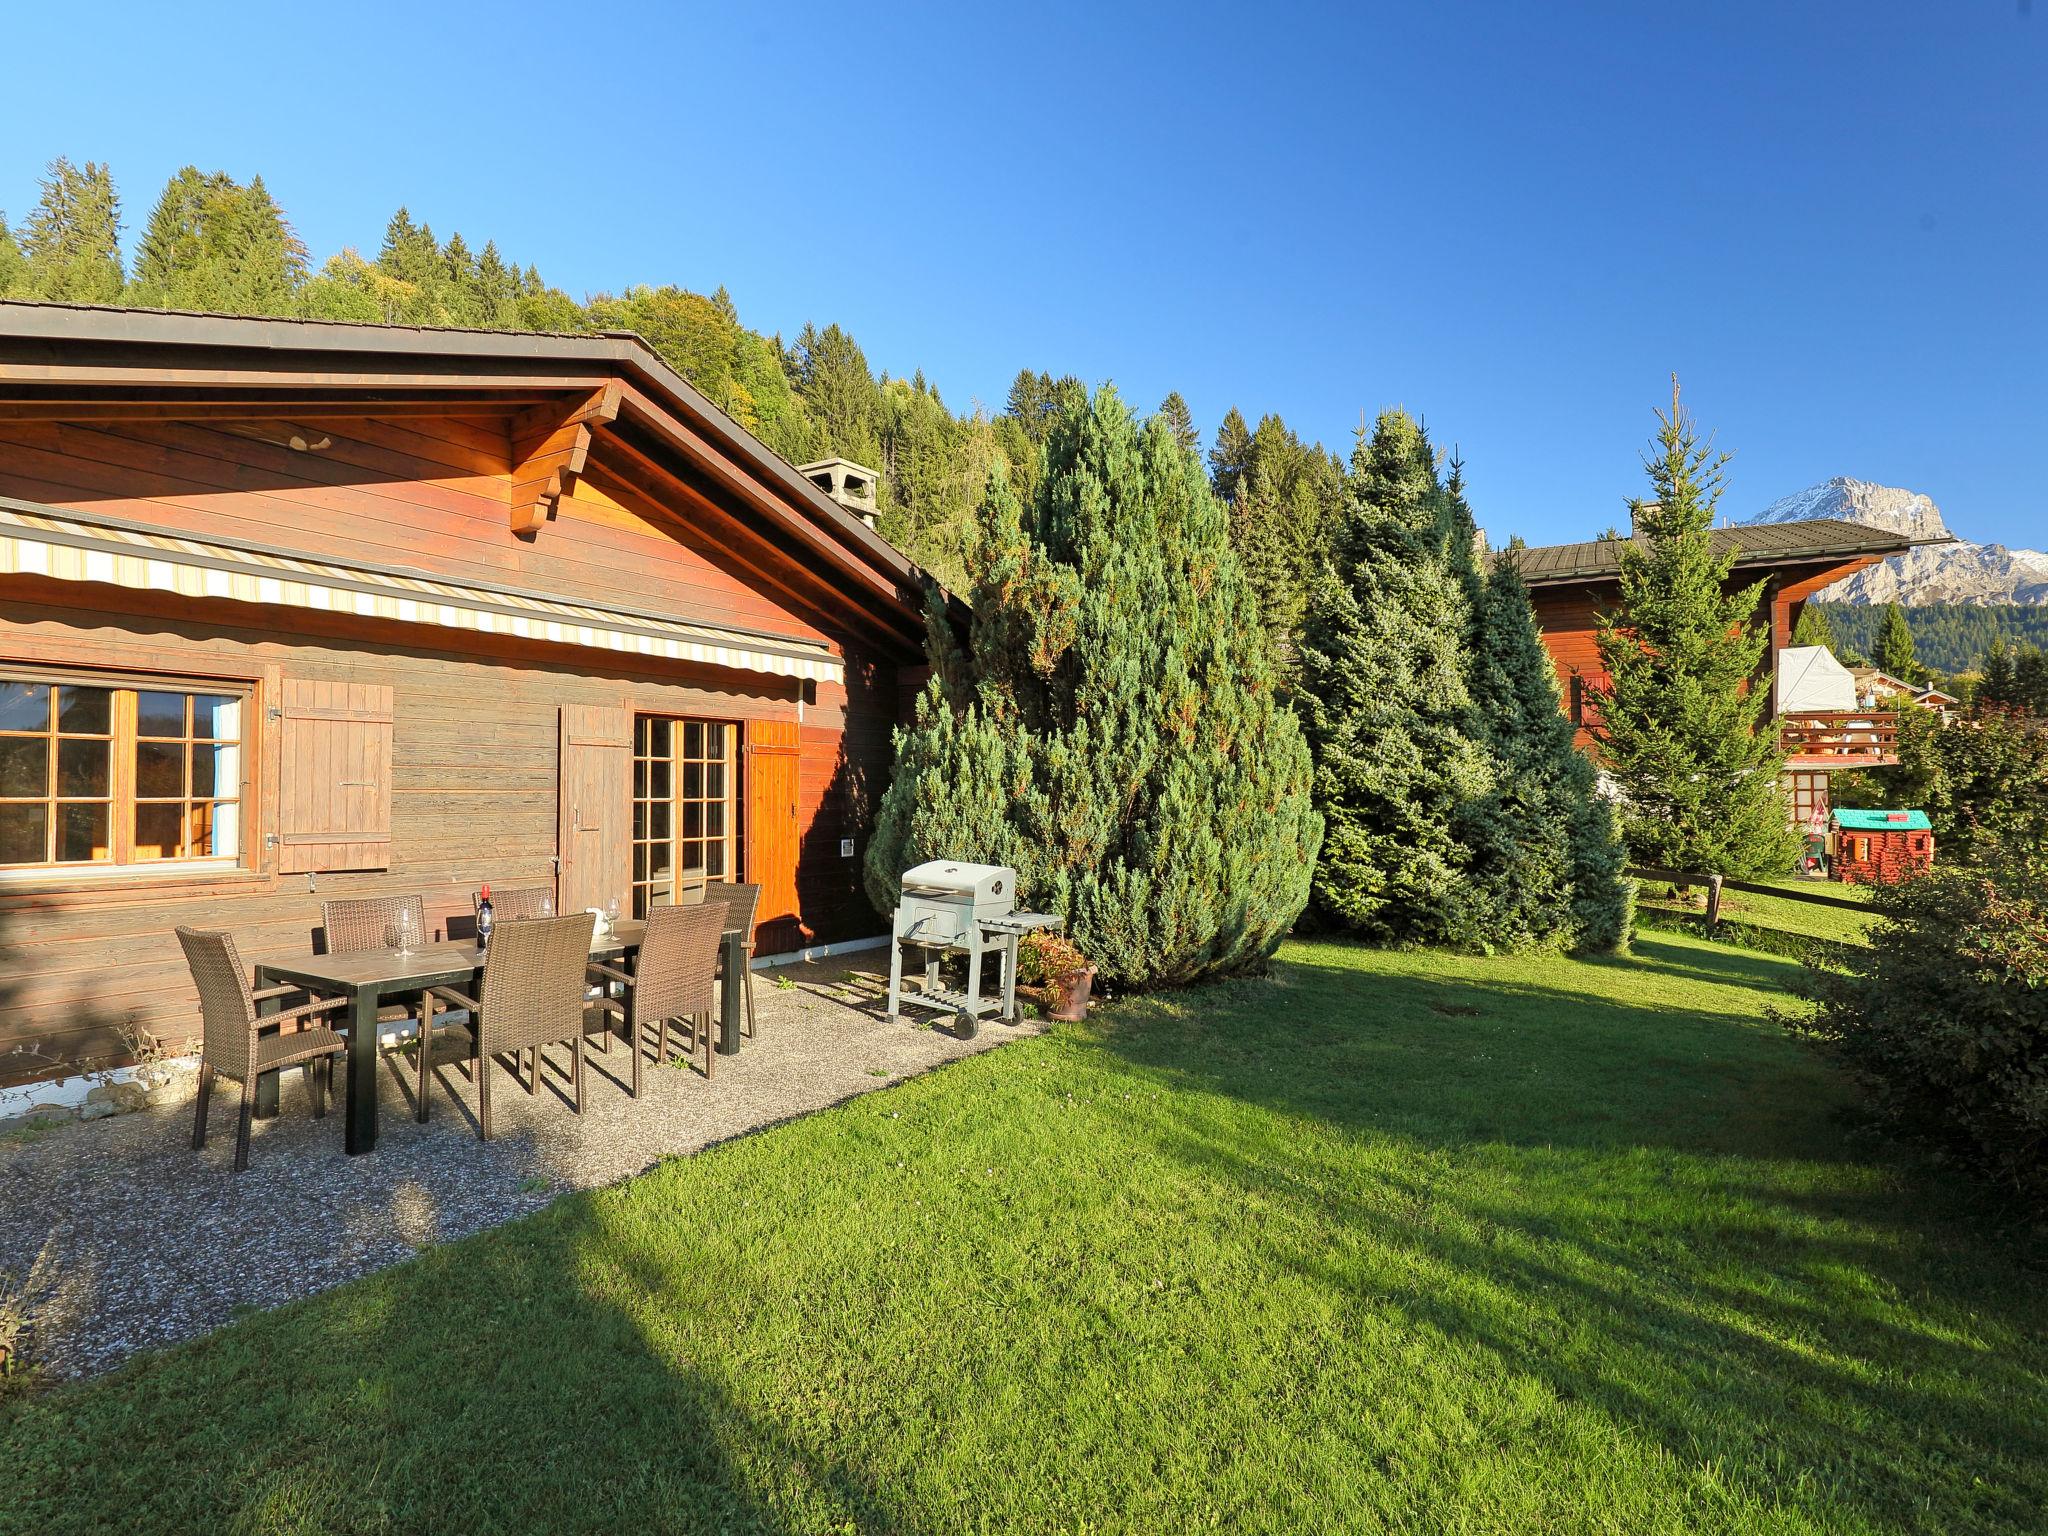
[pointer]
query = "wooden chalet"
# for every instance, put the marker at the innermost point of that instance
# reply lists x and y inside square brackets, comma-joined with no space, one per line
[293,610]
[1572,584]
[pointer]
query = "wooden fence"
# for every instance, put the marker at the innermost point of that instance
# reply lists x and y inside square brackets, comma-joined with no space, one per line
[1715,884]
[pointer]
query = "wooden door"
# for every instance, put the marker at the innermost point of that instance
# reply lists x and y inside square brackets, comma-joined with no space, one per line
[773,835]
[594,838]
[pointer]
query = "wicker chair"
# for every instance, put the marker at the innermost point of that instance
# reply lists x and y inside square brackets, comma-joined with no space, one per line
[740,903]
[372,923]
[534,994]
[676,977]
[233,1044]
[512,905]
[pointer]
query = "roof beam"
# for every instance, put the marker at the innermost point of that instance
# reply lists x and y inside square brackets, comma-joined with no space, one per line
[550,447]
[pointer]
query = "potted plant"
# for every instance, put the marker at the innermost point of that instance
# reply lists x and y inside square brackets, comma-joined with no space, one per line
[1055,973]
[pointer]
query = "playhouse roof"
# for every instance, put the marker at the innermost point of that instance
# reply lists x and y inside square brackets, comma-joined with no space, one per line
[1883,821]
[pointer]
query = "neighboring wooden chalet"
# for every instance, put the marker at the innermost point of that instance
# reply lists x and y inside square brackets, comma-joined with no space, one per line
[1573,584]
[291,610]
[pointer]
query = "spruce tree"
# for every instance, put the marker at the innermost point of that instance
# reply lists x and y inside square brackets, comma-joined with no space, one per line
[1813,627]
[1112,727]
[213,244]
[72,241]
[1384,698]
[1547,849]
[1180,421]
[1685,727]
[13,266]
[1895,646]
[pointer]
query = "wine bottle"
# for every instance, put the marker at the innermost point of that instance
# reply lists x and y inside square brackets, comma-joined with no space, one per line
[483,918]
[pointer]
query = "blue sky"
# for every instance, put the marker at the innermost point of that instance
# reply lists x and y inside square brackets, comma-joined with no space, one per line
[1830,218]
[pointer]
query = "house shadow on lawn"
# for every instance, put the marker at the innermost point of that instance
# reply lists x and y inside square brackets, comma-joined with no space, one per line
[1645,1203]
[514,1382]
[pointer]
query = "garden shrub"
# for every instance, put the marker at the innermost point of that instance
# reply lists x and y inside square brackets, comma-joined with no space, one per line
[1944,1018]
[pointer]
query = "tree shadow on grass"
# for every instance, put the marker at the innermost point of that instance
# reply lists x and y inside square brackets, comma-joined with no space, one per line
[517,1381]
[1649,1209]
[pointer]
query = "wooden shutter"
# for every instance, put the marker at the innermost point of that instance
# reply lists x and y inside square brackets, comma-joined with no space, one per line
[334,776]
[772,831]
[594,835]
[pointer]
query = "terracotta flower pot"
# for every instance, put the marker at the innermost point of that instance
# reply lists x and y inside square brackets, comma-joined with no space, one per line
[1068,994]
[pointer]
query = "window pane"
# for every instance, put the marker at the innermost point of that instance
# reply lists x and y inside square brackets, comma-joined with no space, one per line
[24,834]
[24,707]
[158,831]
[83,767]
[24,765]
[85,711]
[693,782]
[659,780]
[83,833]
[693,739]
[714,860]
[159,769]
[160,714]
[215,771]
[693,820]
[660,864]
[714,780]
[639,861]
[660,818]
[640,777]
[215,829]
[216,717]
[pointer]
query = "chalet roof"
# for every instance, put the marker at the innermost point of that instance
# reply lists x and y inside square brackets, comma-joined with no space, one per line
[63,350]
[1809,539]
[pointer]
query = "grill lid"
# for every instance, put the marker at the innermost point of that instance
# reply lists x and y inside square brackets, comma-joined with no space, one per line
[948,877]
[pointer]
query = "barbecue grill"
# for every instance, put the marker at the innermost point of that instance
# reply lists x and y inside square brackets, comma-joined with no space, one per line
[954,908]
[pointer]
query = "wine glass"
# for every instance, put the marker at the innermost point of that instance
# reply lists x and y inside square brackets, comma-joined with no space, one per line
[407,934]
[547,905]
[611,915]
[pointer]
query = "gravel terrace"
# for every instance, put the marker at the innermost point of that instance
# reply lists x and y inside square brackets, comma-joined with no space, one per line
[149,1243]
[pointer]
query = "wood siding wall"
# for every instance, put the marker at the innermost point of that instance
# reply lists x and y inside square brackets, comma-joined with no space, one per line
[472,789]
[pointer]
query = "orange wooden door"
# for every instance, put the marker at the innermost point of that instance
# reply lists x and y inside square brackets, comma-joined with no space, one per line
[773,835]
[595,831]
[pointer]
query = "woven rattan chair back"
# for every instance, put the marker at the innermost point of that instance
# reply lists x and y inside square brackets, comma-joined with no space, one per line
[534,983]
[227,1014]
[370,922]
[677,974]
[514,904]
[740,903]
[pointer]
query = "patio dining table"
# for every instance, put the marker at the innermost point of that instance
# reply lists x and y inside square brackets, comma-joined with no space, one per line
[370,978]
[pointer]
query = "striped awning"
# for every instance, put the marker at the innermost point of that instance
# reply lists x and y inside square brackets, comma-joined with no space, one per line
[54,542]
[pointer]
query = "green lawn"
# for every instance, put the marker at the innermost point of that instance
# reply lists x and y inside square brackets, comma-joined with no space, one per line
[1842,924]
[1396,1242]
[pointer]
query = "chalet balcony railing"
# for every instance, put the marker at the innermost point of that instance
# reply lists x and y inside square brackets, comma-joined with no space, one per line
[1861,738]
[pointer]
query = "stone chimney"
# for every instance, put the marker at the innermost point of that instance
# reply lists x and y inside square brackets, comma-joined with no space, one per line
[1636,509]
[851,485]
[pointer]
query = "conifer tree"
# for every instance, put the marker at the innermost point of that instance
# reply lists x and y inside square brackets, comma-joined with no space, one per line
[213,244]
[1813,627]
[1547,850]
[71,241]
[1116,704]
[1230,456]
[1180,421]
[13,267]
[1684,725]
[1385,701]
[1895,646]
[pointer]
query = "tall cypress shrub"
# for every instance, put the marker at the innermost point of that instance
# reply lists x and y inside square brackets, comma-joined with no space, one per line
[1384,698]
[1112,727]
[1549,853]
[1685,725]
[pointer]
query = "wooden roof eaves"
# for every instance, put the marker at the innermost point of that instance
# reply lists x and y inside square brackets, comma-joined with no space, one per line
[48,344]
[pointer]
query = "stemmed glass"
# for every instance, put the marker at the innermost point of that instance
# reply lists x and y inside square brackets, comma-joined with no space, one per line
[408,930]
[547,905]
[611,915]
